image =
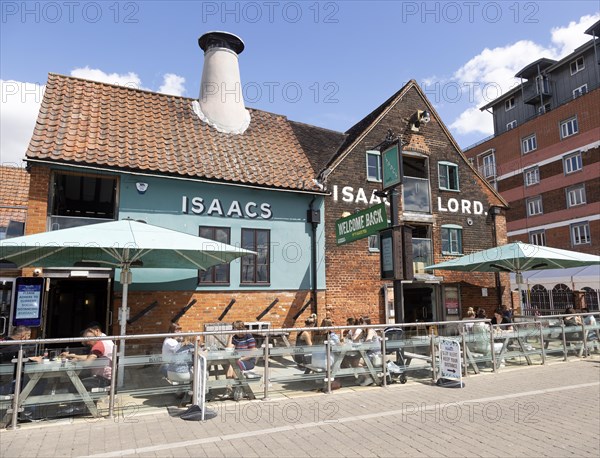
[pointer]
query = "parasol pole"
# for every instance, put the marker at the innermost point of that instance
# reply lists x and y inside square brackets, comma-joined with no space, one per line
[519,280]
[123,314]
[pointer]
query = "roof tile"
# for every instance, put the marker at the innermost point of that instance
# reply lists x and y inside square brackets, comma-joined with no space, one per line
[99,124]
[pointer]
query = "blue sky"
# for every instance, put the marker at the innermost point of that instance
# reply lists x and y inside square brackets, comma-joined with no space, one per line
[323,63]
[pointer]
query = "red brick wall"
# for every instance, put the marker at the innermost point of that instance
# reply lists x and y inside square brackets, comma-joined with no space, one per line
[209,306]
[37,207]
[353,284]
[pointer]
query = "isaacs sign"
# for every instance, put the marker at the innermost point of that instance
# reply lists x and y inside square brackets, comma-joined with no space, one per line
[234,209]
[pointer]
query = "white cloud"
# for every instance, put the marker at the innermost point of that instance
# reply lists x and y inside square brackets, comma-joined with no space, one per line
[131,79]
[19,108]
[492,71]
[173,84]
[566,39]
[21,101]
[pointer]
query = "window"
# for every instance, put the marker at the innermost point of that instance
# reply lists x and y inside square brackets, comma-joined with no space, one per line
[509,104]
[578,92]
[373,166]
[448,176]
[577,65]
[82,196]
[544,108]
[534,206]
[511,125]
[217,274]
[569,127]
[451,239]
[538,238]
[580,233]
[374,243]
[532,176]
[576,195]
[528,144]
[256,269]
[489,166]
[572,163]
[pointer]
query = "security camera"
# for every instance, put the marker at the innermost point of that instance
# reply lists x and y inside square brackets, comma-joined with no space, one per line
[420,117]
[37,272]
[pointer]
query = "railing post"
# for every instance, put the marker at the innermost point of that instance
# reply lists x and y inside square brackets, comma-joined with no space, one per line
[15,412]
[196,385]
[464,352]
[585,349]
[113,383]
[543,346]
[266,375]
[564,340]
[492,347]
[432,348]
[328,364]
[384,360]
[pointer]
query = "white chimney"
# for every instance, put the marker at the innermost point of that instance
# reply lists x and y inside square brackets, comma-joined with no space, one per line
[221,103]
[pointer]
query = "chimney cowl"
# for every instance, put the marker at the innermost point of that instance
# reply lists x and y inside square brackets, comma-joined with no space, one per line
[221,40]
[221,101]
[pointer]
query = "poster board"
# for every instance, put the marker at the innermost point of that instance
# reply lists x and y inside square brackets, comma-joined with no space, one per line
[29,293]
[450,360]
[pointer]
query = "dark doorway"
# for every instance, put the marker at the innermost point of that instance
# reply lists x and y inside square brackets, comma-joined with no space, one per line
[75,303]
[418,304]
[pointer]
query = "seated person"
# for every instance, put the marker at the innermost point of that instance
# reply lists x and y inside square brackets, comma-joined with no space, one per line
[10,352]
[574,320]
[319,358]
[181,369]
[170,346]
[482,336]
[590,321]
[241,340]
[468,327]
[500,318]
[100,358]
[304,339]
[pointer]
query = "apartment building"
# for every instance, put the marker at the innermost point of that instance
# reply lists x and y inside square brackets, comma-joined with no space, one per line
[544,157]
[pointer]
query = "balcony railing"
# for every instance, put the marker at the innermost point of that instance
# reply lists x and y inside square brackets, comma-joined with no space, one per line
[416,195]
[488,170]
[65,222]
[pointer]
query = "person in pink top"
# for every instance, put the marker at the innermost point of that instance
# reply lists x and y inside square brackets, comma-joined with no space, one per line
[100,358]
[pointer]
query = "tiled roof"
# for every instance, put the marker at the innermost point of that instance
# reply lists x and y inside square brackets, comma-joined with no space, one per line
[14,191]
[98,124]
[319,144]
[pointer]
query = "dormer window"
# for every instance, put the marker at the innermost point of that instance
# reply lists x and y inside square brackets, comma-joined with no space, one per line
[509,104]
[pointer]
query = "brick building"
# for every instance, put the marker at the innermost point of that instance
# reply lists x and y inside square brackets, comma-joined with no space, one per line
[449,207]
[102,152]
[544,156]
[14,189]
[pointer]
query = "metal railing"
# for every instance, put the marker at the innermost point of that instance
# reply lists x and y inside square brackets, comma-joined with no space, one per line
[528,338]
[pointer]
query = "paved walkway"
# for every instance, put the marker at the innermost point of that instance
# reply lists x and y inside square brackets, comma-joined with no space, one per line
[548,410]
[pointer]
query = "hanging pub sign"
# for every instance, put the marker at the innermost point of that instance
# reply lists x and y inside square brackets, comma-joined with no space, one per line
[391,166]
[28,301]
[360,224]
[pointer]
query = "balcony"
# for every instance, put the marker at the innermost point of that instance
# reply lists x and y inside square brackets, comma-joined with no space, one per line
[65,222]
[416,196]
[421,254]
[536,92]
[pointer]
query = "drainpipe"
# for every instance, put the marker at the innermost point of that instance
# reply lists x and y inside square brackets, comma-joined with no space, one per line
[494,211]
[313,217]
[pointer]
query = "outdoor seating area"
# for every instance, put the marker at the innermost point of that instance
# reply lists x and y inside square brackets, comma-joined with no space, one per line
[54,388]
